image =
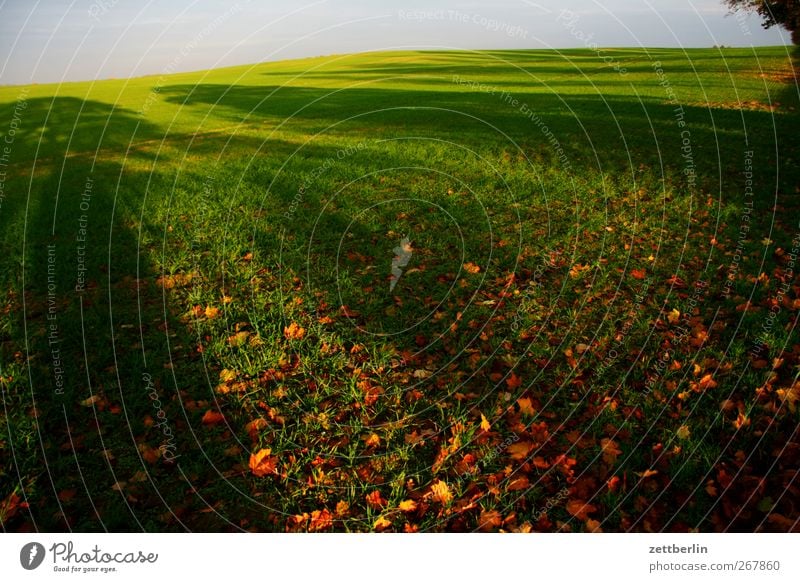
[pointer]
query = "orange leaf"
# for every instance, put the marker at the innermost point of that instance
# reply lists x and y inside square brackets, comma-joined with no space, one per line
[518,484]
[320,520]
[647,474]
[374,500]
[472,268]
[294,332]
[613,483]
[707,382]
[342,508]
[610,451]
[489,520]
[519,451]
[381,524]
[211,312]
[254,426]
[212,417]
[372,441]
[263,463]
[513,381]
[638,273]
[741,421]
[593,526]
[149,454]
[526,406]
[580,509]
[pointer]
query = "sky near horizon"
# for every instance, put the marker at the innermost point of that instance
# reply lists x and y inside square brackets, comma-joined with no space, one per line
[43,41]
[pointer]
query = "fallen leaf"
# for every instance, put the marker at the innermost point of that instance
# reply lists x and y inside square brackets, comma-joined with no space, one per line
[374,500]
[741,421]
[408,506]
[610,451]
[294,332]
[254,426]
[238,339]
[440,493]
[513,381]
[706,382]
[674,316]
[485,425]
[526,407]
[593,526]
[520,450]
[92,400]
[149,454]
[212,418]
[489,520]
[320,520]
[227,375]
[342,508]
[580,509]
[472,268]
[263,463]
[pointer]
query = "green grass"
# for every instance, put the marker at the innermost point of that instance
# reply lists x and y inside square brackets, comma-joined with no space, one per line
[554,228]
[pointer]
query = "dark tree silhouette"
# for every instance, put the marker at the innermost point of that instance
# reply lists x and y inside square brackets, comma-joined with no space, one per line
[782,12]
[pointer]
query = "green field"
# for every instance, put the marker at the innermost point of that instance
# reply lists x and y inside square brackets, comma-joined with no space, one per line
[408,291]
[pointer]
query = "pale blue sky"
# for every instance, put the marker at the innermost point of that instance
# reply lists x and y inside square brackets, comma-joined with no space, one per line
[68,40]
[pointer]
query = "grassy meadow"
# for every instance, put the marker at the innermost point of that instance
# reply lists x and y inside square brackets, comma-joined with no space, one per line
[409,291]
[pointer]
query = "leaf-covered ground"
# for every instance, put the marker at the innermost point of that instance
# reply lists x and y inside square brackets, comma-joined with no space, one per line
[430,291]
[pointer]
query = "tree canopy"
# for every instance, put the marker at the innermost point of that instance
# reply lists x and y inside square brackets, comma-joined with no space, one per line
[775,12]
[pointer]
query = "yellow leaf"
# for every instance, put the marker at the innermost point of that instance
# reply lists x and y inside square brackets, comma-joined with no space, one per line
[227,375]
[211,312]
[381,524]
[90,401]
[683,432]
[342,508]
[485,425]
[238,339]
[674,316]
[440,493]
[408,505]
[472,268]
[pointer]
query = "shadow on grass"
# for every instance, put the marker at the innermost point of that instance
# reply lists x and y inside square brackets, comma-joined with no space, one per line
[101,375]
